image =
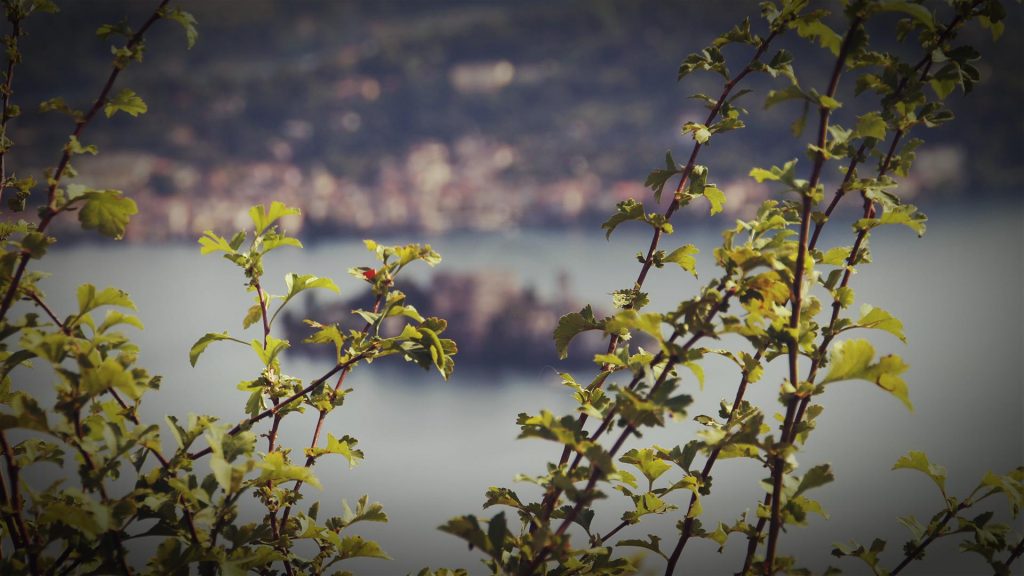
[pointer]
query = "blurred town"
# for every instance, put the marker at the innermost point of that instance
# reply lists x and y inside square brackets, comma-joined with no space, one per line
[424,119]
[396,116]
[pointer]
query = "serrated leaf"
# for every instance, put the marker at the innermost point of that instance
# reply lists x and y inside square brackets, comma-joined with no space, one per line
[870,125]
[263,218]
[125,101]
[683,256]
[571,325]
[917,460]
[871,317]
[716,197]
[851,360]
[107,212]
[200,346]
[187,22]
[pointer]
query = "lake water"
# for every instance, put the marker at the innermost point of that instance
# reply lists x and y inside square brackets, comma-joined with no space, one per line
[432,448]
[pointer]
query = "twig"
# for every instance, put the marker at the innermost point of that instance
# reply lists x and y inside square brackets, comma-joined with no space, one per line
[51,206]
[797,296]
[687,530]
[596,473]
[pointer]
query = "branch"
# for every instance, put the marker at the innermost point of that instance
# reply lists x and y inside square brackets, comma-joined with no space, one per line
[687,530]
[798,279]
[51,209]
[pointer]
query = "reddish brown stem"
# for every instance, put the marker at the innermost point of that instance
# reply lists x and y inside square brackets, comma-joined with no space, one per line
[596,473]
[51,205]
[687,529]
[5,101]
[797,296]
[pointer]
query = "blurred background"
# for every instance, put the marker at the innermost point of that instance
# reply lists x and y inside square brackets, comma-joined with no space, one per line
[503,134]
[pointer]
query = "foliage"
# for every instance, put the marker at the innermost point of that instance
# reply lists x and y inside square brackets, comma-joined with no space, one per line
[188,498]
[776,291]
[785,296]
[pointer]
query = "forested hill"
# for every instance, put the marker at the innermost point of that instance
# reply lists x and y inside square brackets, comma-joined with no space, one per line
[456,114]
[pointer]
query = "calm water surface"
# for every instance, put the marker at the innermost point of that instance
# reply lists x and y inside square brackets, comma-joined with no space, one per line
[433,448]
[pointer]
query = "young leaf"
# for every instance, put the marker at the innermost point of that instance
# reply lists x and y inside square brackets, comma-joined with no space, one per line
[107,212]
[572,324]
[917,460]
[125,101]
[200,346]
[187,22]
[262,218]
[683,256]
[851,360]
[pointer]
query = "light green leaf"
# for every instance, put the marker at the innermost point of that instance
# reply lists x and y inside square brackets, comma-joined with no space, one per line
[716,197]
[871,317]
[572,324]
[200,346]
[683,256]
[917,460]
[262,218]
[268,354]
[275,468]
[125,101]
[870,125]
[107,212]
[90,299]
[851,360]
[647,461]
[187,22]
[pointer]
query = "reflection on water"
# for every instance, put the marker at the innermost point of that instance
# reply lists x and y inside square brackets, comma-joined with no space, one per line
[433,448]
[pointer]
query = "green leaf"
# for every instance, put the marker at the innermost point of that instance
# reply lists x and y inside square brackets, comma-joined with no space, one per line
[813,28]
[871,317]
[648,461]
[125,101]
[837,256]
[625,211]
[345,446]
[917,460]
[107,212]
[815,477]
[653,543]
[262,218]
[298,283]
[187,22]
[916,11]
[90,299]
[904,214]
[269,353]
[851,360]
[211,242]
[716,197]
[657,179]
[788,93]
[357,547]
[275,468]
[572,324]
[200,346]
[683,256]
[870,125]
[365,512]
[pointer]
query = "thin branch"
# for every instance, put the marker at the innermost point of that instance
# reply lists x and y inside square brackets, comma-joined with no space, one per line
[687,529]
[1017,551]
[7,90]
[51,206]
[596,473]
[675,204]
[28,539]
[248,422]
[778,467]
